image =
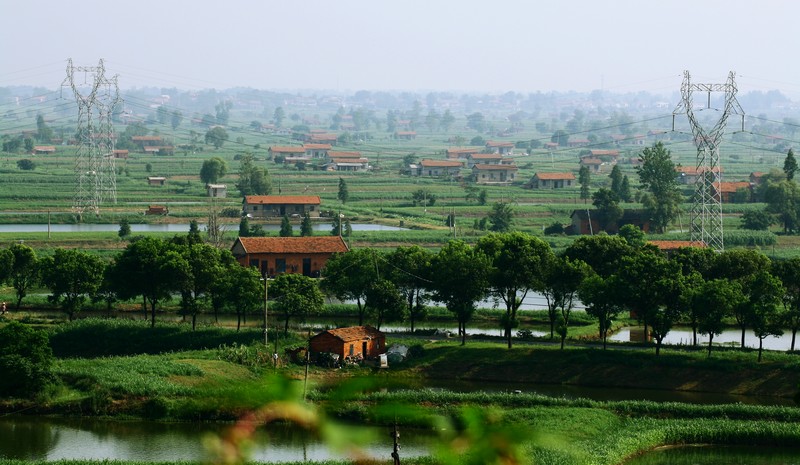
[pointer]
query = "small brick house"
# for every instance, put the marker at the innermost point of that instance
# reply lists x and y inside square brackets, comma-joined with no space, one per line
[356,341]
[551,180]
[277,255]
[262,206]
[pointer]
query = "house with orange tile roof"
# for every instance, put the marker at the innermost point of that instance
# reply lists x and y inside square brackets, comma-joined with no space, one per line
[358,342]
[322,138]
[462,153]
[265,206]
[493,174]
[306,255]
[317,150]
[436,168]
[484,158]
[727,190]
[668,246]
[286,151]
[44,149]
[405,135]
[690,174]
[594,164]
[552,180]
[503,148]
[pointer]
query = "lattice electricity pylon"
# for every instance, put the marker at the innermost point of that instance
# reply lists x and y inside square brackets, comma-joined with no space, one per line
[95,173]
[706,213]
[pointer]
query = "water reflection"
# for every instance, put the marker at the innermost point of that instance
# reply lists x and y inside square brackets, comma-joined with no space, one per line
[683,336]
[172,228]
[50,439]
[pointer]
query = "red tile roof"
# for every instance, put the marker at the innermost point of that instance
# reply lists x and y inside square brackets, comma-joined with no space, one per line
[555,176]
[484,166]
[287,245]
[591,161]
[282,199]
[607,153]
[732,187]
[497,143]
[145,138]
[287,149]
[694,171]
[441,163]
[317,146]
[354,333]
[335,154]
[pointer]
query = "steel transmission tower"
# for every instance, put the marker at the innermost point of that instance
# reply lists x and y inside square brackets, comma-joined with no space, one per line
[95,173]
[706,213]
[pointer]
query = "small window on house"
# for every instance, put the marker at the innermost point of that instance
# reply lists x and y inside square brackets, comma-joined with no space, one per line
[311,208]
[280,265]
[254,262]
[351,350]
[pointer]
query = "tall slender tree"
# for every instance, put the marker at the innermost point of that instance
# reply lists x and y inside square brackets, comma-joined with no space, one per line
[657,176]
[790,165]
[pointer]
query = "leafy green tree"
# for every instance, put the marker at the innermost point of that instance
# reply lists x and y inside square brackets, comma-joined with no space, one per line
[741,265]
[162,114]
[25,360]
[518,265]
[625,189]
[423,197]
[25,271]
[757,220]
[409,270]
[783,199]
[560,137]
[476,121]
[657,176]
[584,179]
[340,226]
[72,276]
[286,227]
[601,303]
[608,210]
[463,280]
[717,298]
[633,235]
[296,296]
[384,303]
[501,217]
[790,165]
[26,164]
[447,120]
[562,279]
[253,180]
[43,132]
[603,253]
[764,314]
[616,179]
[223,111]
[238,288]
[6,265]
[343,193]
[278,116]
[124,228]
[788,271]
[213,170]
[194,233]
[216,136]
[244,227]
[306,228]
[176,118]
[147,268]
[195,270]
[483,197]
[348,275]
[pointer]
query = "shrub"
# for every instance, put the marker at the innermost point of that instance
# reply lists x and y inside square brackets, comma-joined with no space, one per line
[26,164]
[26,360]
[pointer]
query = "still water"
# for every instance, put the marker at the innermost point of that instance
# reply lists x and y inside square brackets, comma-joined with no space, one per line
[50,439]
[730,337]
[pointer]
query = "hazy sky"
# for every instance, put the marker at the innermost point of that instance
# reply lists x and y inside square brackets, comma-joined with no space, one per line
[417,45]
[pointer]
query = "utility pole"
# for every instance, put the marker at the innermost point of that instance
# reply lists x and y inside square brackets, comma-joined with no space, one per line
[95,171]
[706,213]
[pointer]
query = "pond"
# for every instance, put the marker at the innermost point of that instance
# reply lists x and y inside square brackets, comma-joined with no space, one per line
[172,228]
[51,439]
[718,455]
[681,335]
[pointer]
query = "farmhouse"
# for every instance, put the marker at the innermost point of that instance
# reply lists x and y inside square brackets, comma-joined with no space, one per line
[276,255]
[321,138]
[357,341]
[594,164]
[493,174]
[552,180]
[727,190]
[121,154]
[156,210]
[503,148]
[347,164]
[436,168]
[484,158]
[756,178]
[44,149]
[262,206]
[405,135]
[286,151]
[156,180]
[690,175]
[217,190]
[148,143]
[463,153]
[317,150]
